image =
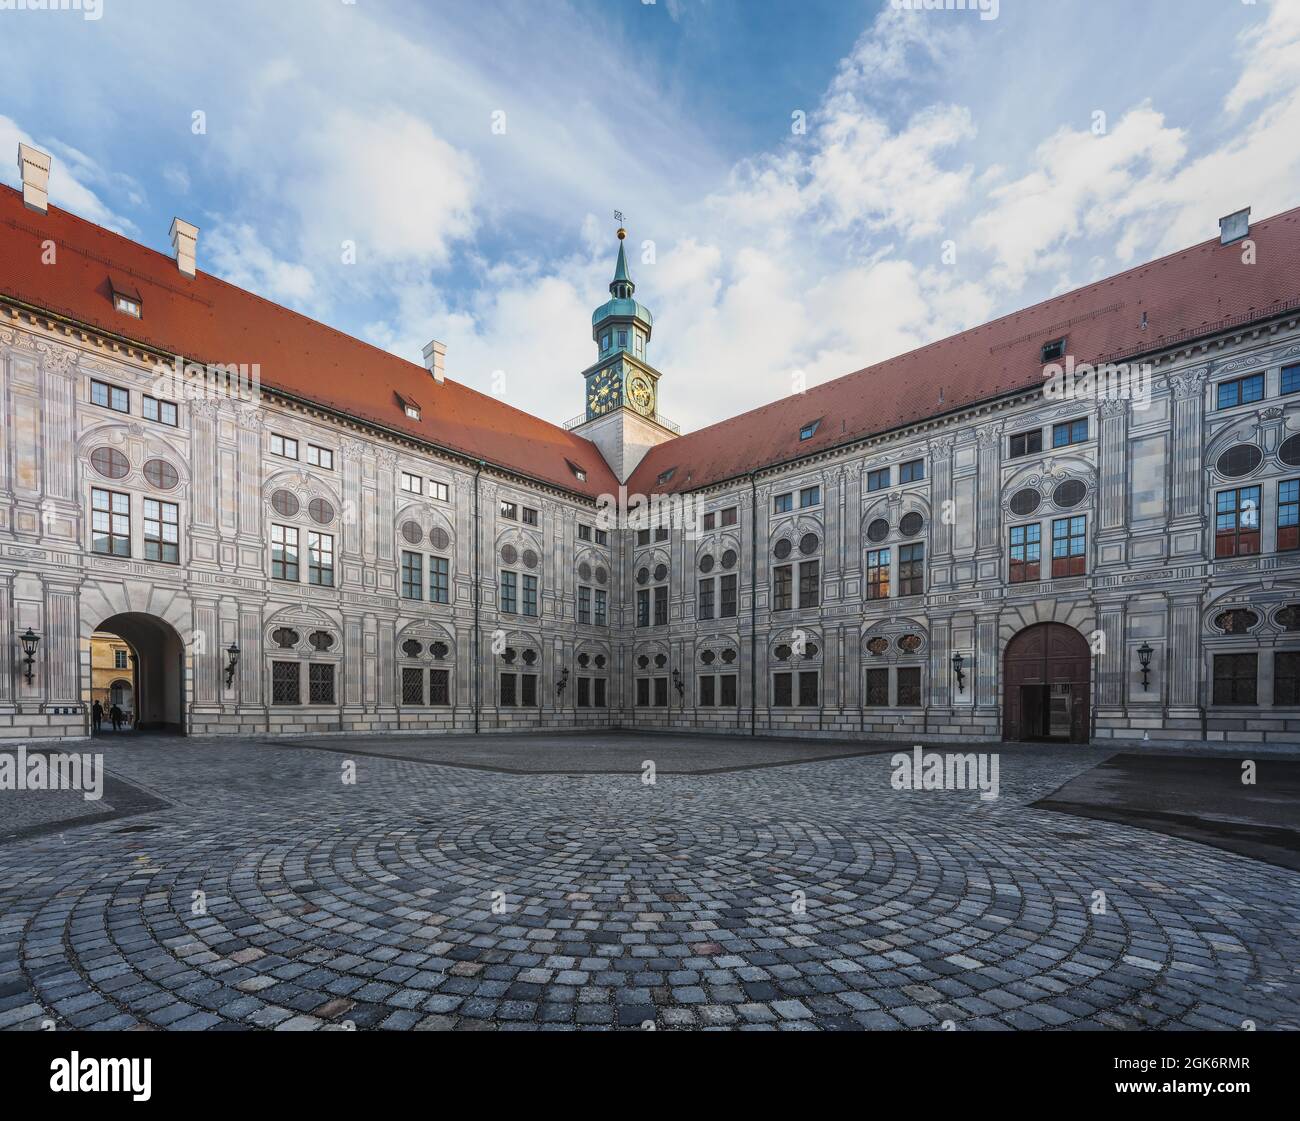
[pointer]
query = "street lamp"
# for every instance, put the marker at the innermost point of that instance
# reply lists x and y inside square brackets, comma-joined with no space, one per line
[29,640]
[563,682]
[232,660]
[678,684]
[957,662]
[1144,660]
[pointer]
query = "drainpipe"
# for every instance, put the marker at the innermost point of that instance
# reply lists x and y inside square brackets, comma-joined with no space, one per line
[478,642]
[753,605]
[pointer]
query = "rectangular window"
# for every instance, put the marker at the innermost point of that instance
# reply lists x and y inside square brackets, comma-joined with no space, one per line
[439,580]
[110,397]
[528,690]
[600,692]
[909,686]
[284,446]
[728,598]
[1070,432]
[810,496]
[602,537]
[783,503]
[530,515]
[320,457]
[320,559]
[284,553]
[705,607]
[1239,391]
[643,692]
[729,516]
[584,605]
[1236,679]
[661,692]
[530,595]
[911,570]
[878,479]
[809,583]
[584,532]
[661,533]
[912,471]
[1026,552]
[710,520]
[412,685]
[728,697]
[808,682]
[877,688]
[643,607]
[1068,541]
[584,692]
[162,531]
[119,659]
[1286,677]
[877,574]
[110,522]
[510,510]
[707,697]
[164,412]
[1025,443]
[643,537]
[440,687]
[661,606]
[508,698]
[320,683]
[412,484]
[285,683]
[412,575]
[1236,522]
[1290,379]
[782,587]
[602,610]
[1288,515]
[782,690]
[509,593]
[439,491]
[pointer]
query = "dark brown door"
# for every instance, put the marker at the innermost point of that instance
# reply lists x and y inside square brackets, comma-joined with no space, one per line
[1045,678]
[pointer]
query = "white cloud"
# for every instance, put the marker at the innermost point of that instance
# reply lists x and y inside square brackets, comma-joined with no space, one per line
[236,253]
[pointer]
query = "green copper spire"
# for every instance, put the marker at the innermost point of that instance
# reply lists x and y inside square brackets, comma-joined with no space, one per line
[620,323]
[621,287]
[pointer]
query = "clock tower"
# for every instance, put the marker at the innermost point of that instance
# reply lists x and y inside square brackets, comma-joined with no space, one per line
[622,388]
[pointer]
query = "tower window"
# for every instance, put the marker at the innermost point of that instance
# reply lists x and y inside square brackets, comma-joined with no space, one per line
[1053,350]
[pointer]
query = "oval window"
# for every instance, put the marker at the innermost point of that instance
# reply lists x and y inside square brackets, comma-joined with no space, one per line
[161,474]
[878,530]
[1238,461]
[1289,452]
[911,525]
[285,503]
[322,513]
[1025,501]
[1069,493]
[109,462]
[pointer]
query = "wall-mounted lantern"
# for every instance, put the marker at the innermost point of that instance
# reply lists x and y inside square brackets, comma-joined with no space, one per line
[30,641]
[678,684]
[232,660]
[957,662]
[563,683]
[1144,660]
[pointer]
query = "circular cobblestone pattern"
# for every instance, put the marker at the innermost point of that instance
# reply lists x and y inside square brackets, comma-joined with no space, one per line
[271,894]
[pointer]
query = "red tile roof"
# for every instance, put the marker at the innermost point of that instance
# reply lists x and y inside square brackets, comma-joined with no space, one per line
[1184,295]
[209,321]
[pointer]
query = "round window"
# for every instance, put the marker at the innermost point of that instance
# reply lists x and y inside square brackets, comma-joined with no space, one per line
[808,543]
[161,474]
[729,559]
[321,511]
[284,503]
[1238,461]
[661,572]
[509,554]
[878,530]
[782,549]
[642,575]
[601,575]
[911,525]
[530,558]
[1025,501]
[706,563]
[1069,493]
[1289,452]
[584,571]
[109,462]
[439,538]
[412,533]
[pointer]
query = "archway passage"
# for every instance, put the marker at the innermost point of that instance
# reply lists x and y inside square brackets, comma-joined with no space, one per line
[159,662]
[1045,673]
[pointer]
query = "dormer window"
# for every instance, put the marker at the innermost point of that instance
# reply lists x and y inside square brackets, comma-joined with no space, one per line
[126,298]
[665,476]
[409,407]
[578,473]
[1053,350]
[808,431]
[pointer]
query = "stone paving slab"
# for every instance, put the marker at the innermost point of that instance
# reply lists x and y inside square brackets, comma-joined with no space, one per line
[817,896]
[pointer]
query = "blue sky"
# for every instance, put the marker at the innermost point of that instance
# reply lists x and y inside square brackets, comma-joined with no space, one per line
[776,255]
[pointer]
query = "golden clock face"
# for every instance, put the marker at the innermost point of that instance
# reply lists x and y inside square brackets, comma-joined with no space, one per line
[602,391]
[639,390]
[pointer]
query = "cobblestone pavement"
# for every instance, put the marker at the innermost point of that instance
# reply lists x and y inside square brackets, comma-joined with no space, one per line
[795,897]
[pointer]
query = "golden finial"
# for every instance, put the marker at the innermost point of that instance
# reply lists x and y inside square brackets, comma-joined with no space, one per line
[622,233]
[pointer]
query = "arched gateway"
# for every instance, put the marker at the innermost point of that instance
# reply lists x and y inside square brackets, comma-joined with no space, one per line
[159,663]
[1046,672]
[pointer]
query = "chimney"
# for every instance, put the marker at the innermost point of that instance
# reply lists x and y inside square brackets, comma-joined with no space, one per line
[434,354]
[185,239]
[35,168]
[1234,227]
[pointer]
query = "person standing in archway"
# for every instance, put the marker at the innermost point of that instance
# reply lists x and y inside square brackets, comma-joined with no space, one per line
[115,714]
[96,717]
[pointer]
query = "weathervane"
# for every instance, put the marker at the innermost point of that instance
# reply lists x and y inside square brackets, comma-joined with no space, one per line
[618,217]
